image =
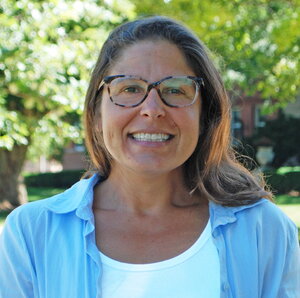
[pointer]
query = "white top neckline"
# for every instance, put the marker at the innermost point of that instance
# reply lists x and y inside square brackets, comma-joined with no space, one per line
[198,244]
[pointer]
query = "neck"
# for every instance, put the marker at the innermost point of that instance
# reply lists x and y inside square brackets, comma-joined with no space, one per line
[138,193]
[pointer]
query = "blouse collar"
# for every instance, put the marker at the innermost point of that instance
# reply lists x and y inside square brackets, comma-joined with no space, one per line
[80,198]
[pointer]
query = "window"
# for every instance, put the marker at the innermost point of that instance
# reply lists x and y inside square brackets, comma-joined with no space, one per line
[237,123]
[259,118]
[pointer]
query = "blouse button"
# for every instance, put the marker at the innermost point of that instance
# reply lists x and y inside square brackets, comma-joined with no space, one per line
[225,286]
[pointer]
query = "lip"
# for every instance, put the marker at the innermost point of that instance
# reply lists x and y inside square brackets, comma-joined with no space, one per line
[151,131]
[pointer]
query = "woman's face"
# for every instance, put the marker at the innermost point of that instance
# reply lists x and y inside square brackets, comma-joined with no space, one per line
[151,138]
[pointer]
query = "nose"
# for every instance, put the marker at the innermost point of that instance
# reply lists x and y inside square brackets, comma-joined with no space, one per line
[152,106]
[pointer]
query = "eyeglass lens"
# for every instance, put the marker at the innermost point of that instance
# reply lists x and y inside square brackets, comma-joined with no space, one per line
[175,91]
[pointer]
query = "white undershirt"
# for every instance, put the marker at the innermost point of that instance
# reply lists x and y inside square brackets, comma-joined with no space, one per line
[194,273]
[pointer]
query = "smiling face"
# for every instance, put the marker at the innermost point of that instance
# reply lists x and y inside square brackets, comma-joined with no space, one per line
[151,138]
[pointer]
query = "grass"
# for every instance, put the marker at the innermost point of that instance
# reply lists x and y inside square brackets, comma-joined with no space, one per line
[293,211]
[38,193]
[290,205]
[287,200]
[284,170]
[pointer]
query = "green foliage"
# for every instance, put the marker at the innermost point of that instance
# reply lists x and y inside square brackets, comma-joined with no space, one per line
[258,41]
[283,170]
[48,49]
[63,179]
[287,200]
[3,215]
[47,52]
[12,129]
[283,184]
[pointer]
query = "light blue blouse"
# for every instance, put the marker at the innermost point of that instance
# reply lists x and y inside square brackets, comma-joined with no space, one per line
[48,249]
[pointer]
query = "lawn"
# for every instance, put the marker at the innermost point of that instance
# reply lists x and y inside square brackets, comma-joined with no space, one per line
[293,211]
[38,193]
[289,204]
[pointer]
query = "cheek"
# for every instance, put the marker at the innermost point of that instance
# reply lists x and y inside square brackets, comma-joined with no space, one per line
[192,128]
[197,118]
[112,125]
[108,132]
[98,125]
[192,120]
[97,118]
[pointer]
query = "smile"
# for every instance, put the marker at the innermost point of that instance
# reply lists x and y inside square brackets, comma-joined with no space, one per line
[151,137]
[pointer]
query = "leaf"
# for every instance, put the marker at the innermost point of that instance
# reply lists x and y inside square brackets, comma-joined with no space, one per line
[47,51]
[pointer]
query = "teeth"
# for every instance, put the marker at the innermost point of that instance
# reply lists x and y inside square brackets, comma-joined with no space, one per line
[151,137]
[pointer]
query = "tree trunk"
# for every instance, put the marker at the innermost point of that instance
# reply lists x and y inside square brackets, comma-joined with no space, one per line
[12,189]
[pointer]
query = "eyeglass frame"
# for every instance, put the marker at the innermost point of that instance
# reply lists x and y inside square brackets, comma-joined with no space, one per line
[108,79]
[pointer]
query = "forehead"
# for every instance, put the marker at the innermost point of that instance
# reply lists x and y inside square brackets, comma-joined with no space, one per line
[151,58]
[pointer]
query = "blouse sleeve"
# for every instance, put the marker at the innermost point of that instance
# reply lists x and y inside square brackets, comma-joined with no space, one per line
[17,272]
[290,284]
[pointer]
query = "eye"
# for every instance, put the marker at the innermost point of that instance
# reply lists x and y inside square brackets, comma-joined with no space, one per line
[132,89]
[173,91]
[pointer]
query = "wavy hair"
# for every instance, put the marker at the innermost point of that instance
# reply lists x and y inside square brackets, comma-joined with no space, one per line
[212,170]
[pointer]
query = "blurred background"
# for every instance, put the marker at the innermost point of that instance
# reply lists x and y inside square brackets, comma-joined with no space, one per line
[47,53]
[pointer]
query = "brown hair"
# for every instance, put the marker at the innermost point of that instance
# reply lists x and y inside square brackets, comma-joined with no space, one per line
[212,170]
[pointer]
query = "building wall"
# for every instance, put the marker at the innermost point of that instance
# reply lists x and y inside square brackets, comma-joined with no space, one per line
[74,161]
[74,158]
[247,109]
[250,115]
[42,165]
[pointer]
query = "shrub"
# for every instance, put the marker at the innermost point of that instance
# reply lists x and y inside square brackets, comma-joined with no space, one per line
[283,183]
[279,183]
[63,179]
[284,134]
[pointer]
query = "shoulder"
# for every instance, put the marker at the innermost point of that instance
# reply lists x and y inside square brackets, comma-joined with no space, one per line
[30,217]
[267,220]
[274,236]
[261,219]
[269,227]
[266,214]
[261,227]
[35,215]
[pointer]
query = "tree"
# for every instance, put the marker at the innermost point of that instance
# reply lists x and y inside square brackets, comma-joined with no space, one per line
[254,42]
[48,49]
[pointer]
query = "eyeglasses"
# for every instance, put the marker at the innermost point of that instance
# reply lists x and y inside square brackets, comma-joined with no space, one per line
[131,91]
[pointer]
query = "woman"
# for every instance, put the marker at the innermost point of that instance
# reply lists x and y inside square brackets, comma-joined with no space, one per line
[168,211]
